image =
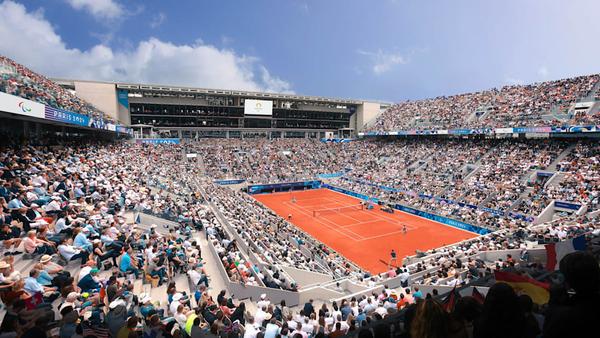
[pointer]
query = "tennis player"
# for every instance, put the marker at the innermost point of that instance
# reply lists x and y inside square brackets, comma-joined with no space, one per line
[393,259]
[404,230]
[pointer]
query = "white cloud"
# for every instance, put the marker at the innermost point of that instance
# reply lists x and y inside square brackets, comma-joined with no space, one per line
[382,61]
[30,39]
[543,72]
[274,84]
[513,81]
[158,20]
[100,9]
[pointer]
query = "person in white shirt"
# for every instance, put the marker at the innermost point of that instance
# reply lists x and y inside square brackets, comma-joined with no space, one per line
[370,307]
[404,276]
[263,302]
[298,331]
[54,205]
[260,315]
[307,327]
[250,329]
[69,252]
[86,269]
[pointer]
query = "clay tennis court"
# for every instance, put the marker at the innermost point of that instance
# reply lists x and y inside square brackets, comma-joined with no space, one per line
[365,237]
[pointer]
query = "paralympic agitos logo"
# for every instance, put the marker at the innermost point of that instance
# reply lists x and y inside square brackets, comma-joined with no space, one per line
[24,108]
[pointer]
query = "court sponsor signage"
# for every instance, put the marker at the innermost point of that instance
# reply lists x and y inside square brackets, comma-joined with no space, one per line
[351,193]
[20,106]
[444,220]
[158,140]
[60,115]
[567,205]
[229,182]
[489,131]
[278,187]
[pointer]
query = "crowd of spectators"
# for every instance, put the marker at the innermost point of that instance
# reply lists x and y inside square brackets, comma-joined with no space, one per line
[18,80]
[531,105]
[68,205]
[580,182]
[492,177]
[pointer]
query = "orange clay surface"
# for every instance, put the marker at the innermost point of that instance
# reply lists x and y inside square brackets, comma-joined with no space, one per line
[365,237]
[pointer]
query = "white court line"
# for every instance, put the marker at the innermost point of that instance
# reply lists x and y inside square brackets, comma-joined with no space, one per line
[331,226]
[334,224]
[344,205]
[377,214]
[383,235]
[427,219]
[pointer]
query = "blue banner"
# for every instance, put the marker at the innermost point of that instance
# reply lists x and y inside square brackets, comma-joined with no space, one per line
[488,131]
[124,130]
[444,220]
[61,115]
[123,98]
[337,140]
[229,182]
[566,205]
[158,140]
[270,188]
[351,193]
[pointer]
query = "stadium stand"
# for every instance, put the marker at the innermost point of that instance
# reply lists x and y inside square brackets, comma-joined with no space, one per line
[118,239]
[539,104]
[15,79]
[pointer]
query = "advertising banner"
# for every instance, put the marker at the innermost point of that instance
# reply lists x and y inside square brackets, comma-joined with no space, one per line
[158,140]
[566,205]
[270,188]
[351,193]
[445,220]
[18,105]
[64,116]
[229,182]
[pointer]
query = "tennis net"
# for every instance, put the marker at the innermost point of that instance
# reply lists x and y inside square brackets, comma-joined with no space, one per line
[320,212]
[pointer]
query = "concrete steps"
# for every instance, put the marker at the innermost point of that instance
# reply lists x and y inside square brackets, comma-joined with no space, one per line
[560,157]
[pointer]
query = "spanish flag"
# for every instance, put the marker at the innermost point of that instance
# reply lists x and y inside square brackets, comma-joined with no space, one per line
[538,291]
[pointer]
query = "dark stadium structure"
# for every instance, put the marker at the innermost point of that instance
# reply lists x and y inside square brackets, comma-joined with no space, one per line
[153,201]
[185,112]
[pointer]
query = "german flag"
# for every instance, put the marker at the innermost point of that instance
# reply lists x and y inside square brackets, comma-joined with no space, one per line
[478,296]
[538,291]
[450,301]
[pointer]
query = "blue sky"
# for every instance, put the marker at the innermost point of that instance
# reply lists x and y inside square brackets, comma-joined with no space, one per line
[390,50]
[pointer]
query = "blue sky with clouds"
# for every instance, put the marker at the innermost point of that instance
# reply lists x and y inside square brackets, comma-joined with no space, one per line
[390,50]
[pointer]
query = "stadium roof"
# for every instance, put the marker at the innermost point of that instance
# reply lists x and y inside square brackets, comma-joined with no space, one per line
[231,92]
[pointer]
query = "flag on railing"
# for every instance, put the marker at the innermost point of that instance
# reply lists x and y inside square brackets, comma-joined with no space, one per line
[556,251]
[480,298]
[450,301]
[538,291]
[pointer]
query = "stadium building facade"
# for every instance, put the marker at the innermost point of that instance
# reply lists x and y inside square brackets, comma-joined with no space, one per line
[184,112]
